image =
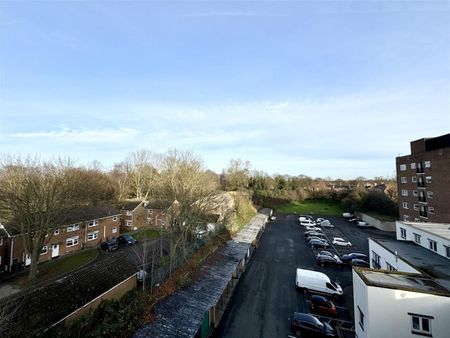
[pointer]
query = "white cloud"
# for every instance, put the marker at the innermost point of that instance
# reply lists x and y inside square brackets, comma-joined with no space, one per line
[65,134]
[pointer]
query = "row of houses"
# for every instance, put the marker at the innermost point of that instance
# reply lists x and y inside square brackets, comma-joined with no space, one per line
[84,228]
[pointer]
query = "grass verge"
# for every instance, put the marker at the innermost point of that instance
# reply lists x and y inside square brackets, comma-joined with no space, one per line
[145,234]
[319,207]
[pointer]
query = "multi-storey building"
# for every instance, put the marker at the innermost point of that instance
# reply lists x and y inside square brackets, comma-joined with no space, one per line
[140,214]
[423,180]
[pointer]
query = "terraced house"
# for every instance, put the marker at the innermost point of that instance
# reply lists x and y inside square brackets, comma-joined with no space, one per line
[141,214]
[85,227]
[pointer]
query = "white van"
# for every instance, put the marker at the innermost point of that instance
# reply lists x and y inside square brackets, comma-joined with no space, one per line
[317,282]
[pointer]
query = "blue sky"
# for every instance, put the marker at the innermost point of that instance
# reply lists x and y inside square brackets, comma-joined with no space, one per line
[321,88]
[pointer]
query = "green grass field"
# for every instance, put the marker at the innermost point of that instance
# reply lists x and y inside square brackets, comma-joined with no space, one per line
[318,207]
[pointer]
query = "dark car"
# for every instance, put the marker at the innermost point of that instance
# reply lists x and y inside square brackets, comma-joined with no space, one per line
[309,238]
[313,233]
[318,243]
[359,262]
[126,240]
[322,305]
[323,252]
[348,257]
[110,245]
[328,260]
[306,325]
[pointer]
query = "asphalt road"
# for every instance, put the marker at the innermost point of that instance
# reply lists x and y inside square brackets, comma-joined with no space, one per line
[266,295]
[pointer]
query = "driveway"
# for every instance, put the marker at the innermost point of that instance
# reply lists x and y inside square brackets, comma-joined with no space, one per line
[266,296]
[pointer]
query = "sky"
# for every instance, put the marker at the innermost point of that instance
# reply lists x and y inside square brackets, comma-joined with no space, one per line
[320,88]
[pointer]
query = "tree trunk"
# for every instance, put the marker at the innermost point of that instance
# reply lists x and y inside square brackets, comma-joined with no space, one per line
[34,265]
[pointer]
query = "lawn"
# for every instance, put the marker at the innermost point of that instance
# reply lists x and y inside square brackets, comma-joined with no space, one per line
[61,266]
[318,207]
[145,234]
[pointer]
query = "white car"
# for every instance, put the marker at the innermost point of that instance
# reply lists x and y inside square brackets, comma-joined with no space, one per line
[363,224]
[347,215]
[326,224]
[341,242]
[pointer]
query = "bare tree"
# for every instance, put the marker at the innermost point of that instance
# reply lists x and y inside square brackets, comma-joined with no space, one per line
[237,175]
[189,191]
[35,197]
[121,180]
[141,173]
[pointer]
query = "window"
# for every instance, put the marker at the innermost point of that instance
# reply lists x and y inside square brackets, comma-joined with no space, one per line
[405,205]
[73,227]
[414,179]
[162,222]
[416,207]
[114,230]
[429,194]
[44,250]
[447,251]
[375,260]
[402,167]
[72,241]
[421,324]
[403,179]
[56,232]
[92,235]
[404,192]
[150,211]
[402,233]
[417,238]
[149,220]
[114,218]
[432,245]
[419,168]
[415,193]
[129,213]
[421,182]
[361,318]
[413,165]
[431,210]
[428,179]
[390,267]
[427,164]
[129,223]
[406,218]
[93,223]
[1,240]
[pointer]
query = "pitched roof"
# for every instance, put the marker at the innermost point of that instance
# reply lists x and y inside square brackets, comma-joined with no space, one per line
[90,212]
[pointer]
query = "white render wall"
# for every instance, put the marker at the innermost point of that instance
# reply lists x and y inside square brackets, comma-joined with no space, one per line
[389,308]
[410,231]
[388,257]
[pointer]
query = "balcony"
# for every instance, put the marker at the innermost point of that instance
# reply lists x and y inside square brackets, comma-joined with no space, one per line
[375,264]
[422,199]
[423,214]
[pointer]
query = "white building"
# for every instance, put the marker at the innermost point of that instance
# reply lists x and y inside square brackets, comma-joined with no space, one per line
[432,236]
[399,305]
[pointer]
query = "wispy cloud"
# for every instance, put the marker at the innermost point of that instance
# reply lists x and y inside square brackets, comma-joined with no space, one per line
[66,134]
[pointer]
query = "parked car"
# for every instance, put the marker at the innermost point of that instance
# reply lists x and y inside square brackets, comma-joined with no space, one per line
[308,239]
[323,252]
[273,218]
[305,217]
[309,232]
[323,260]
[354,219]
[318,243]
[316,234]
[306,325]
[110,245]
[362,224]
[353,255]
[307,222]
[314,228]
[326,224]
[320,220]
[126,240]
[341,242]
[360,262]
[322,305]
[347,215]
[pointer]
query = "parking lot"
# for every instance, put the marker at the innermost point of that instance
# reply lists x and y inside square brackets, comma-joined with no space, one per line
[266,295]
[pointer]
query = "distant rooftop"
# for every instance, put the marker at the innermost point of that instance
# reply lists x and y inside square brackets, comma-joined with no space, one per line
[437,229]
[402,281]
[420,258]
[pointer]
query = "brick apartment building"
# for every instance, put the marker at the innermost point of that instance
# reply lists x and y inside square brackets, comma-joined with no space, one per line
[423,180]
[85,227]
[140,214]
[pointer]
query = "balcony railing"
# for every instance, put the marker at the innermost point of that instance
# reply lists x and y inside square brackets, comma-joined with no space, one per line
[375,264]
[423,214]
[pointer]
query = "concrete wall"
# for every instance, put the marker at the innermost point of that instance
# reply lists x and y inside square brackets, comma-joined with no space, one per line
[114,293]
[385,226]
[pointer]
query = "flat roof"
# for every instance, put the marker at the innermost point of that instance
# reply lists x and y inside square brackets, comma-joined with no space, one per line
[438,229]
[419,257]
[402,281]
